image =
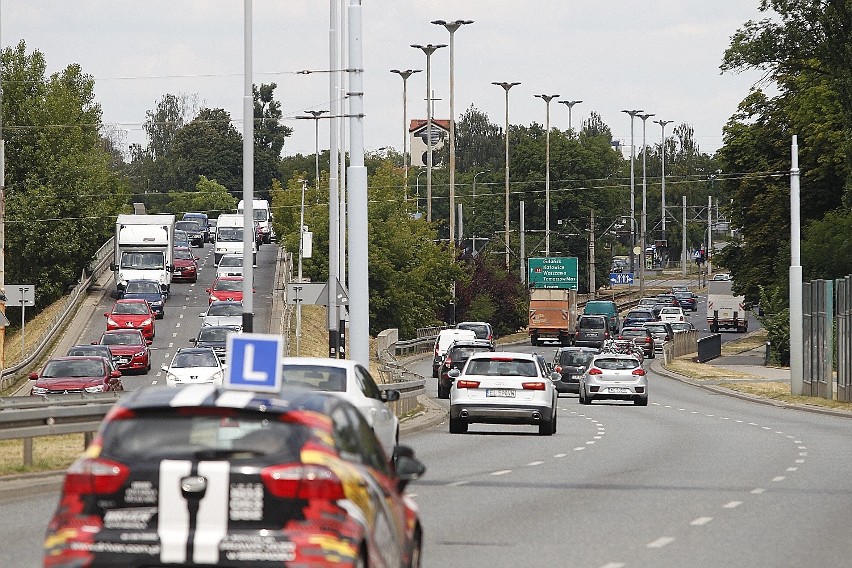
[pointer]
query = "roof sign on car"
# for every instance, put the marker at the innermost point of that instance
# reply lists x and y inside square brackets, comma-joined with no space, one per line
[254,362]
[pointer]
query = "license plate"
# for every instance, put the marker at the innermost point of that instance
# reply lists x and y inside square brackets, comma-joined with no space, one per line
[505,393]
[618,390]
[124,359]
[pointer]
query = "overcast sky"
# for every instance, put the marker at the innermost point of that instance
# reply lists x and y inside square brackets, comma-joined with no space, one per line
[662,56]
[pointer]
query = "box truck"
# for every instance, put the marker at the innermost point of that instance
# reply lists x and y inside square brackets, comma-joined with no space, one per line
[725,310]
[229,237]
[553,316]
[262,217]
[143,249]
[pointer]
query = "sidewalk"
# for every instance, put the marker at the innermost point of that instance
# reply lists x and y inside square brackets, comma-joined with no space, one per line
[751,362]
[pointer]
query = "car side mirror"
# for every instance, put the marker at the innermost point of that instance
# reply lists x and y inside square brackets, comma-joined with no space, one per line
[390,395]
[454,373]
[33,376]
[149,342]
[164,367]
[193,340]
[554,376]
[115,374]
[408,468]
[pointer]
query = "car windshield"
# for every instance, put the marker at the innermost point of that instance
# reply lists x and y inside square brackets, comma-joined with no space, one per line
[671,311]
[463,353]
[230,234]
[575,358]
[211,334]
[81,368]
[142,287]
[204,358]
[190,434]
[181,254]
[329,379]
[502,367]
[131,308]
[225,310]
[657,328]
[616,363]
[229,260]
[260,214]
[142,260]
[89,350]
[122,339]
[684,294]
[228,285]
[189,226]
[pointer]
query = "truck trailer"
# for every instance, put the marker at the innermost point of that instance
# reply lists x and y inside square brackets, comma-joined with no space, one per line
[724,309]
[553,316]
[143,249]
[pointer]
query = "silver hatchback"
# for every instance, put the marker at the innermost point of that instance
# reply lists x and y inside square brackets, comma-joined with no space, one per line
[612,376]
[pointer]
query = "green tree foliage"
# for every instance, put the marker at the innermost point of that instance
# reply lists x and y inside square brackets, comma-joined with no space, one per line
[62,196]
[827,248]
[491,294]
[479,142]
[208,146]
[776,320]
[269,138]
[209,196]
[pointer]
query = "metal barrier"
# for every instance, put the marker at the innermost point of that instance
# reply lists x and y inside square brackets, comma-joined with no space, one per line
[709,347]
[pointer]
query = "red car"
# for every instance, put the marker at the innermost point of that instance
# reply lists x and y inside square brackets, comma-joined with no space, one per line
[65,375]
[132,314]
[129,348]
[186,265]
[226,288]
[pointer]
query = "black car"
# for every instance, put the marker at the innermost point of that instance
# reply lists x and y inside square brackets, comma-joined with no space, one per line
[665,301]
[215,336]
[457,355]
[570,363]
[641,336]
[687,301]
[147,290]
[592,331]
[638,317]
[194,230]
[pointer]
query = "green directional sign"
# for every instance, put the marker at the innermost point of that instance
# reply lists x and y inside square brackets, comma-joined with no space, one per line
[559,273]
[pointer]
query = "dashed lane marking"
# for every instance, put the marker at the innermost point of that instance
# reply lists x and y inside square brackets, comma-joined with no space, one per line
[535,463]
[758,491]
[779,478]
[732,505]
[501,472]
[660,542]
[701,521]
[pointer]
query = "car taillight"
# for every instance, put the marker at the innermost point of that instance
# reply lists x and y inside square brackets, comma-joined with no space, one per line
[606,335]
[95,477]
[533,386]
[302,481]
[639,372]
[557,369]
[647,340]
[595,371]
[467,384]
[448,362]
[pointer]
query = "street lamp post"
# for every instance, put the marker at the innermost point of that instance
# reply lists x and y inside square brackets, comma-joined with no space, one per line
[632,114]
[643,225]
[506,86]
[452,27]
[570,105]
[429,50]
[547,99]
[315,115]
[405,159]
[663,124]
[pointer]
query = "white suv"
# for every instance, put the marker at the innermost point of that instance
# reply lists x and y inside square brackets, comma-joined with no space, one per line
[503,388]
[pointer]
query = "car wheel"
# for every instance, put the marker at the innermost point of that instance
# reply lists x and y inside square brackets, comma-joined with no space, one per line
[434,373]
[534,342]
[642,401]
[416,548]
[652,355]
[546,428]
[458,426]
[443,392]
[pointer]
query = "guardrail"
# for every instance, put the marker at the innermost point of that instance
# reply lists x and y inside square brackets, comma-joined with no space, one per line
[99,263]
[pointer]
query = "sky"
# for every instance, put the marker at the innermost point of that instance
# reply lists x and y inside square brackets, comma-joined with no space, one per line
[661,56]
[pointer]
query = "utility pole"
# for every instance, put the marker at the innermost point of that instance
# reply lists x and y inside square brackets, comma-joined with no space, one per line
[683,242]
[592,282]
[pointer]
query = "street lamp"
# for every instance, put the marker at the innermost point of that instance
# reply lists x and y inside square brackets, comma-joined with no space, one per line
[663,124]
[570,105]
[643,226]
[405,75]
[506,86]
[315,115]
[452,27]
[428,50]
[632,114]
[547,99]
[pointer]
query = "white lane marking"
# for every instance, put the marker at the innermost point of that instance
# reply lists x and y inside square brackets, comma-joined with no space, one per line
[799,461]
[725,418]
[694,412]
[501,472]
[614,565]
[660,542]
[798,442]
[801,447]
[792,469]
[171,345]
[153,382]
[598,437]
[779,432]
[779,478]
[579,448]
[752,424]
[803,453]
[701,521]
[535,463]
[766,427]
[177,324]
[559,455]
[758,491]
[709,415]
[181,316]
[457,483]
[739,421]
[732,505]
[666,406]
[590,442]
[174,334]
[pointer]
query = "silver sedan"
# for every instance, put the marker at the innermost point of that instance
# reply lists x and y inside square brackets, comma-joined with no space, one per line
[614,377]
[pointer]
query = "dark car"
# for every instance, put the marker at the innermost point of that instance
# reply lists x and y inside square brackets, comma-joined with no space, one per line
[197,476]
[129,348]
[205,223]
[93,351]
[641,336]
[455,358]
[186,265]
[592,331]
[147,290]
[665,301]
[687,301]
[570,363]
[215,336]
[638,317]
[66,375]
[194,230]
[483,330]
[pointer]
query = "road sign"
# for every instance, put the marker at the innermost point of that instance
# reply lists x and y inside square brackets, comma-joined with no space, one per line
[254,362]
[552,273]
[20,294]
[621,278]
[314,293]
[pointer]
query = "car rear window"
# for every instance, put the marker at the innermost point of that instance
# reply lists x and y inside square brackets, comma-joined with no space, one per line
[481,331]
[202,433]
[575,358]
[464,353]
[224,310]
[327,379]
[592,323]
[502,367]
[616,364]
[634,333]
[640,314]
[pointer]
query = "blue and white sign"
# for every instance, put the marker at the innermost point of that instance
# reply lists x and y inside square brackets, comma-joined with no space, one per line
[254,362]
[621,278]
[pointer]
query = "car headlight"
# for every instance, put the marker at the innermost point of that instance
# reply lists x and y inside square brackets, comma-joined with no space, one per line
[96,388]
[111,321]
[157,303]
[218,376]
[146,322]
[39,390]
[139,353]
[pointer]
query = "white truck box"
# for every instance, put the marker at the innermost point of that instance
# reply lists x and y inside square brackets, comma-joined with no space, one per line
[724,309]
[262,215]
[143,249]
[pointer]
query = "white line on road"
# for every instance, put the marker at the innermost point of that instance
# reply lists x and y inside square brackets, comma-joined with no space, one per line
[732,505]
[457,483]
[174,334]
[181,316]
[660,542]
[614,565]
[803,453]
[577,449]
[792,469]
[590,442]
[153,382]
[560,455]
[800,461]
[779,478]
[798,442]
[531,464]
[758,491]
[171,345]
[501,472]
[701,521]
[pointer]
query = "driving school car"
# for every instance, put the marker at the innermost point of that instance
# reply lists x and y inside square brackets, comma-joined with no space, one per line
[201,476]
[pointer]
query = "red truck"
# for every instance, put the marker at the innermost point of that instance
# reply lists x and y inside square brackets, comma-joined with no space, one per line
[553,316]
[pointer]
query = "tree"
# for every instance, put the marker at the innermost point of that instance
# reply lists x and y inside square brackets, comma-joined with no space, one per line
[208,196]
[62,191]
[269,138]
[208,146]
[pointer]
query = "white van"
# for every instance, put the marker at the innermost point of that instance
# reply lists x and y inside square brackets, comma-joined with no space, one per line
[229,237]
[443,341]
[262,216]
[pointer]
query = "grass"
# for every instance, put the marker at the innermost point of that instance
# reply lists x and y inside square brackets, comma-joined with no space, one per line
[50,453]
[33,333]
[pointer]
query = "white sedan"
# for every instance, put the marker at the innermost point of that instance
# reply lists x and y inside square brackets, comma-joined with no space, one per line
[194,365]
[503,388]
[672,315]
[353,382]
